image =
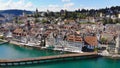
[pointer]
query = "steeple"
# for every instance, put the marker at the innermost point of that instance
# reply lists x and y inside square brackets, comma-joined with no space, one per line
[23,14]
[36,10]
[37,13]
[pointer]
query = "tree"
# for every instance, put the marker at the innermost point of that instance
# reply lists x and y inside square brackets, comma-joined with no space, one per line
[83,11]
[108,21]
[44,21]
[51,14]
[20,22]
[80,15]
[37,20]
[117,21]
[16,19]
[103,40]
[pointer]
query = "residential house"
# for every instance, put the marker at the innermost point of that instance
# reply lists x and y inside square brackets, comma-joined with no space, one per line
[69,21]
[2,18]
[91,42]
[119,15]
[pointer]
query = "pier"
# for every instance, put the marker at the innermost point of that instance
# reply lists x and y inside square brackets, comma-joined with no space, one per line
[63,57]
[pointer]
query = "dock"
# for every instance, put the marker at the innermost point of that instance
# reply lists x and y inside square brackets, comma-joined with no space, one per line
[45,59]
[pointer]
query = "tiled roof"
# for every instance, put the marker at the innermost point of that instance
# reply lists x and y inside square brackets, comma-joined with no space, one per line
[91,40]
[18,30]
[74,38]
[69,21]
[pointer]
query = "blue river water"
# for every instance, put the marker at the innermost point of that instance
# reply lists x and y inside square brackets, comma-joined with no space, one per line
[9,51]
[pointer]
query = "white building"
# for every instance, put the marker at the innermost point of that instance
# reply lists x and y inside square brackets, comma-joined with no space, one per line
[9,34]
[101,14]
[119,15]
[117,47]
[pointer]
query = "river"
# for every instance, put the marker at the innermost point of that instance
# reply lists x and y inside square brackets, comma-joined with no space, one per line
[9,51]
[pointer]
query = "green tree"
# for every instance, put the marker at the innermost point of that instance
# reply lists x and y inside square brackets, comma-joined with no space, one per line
[44,21]
[81,16]
[103,40]
[37,20]
[20,22]
[108,21]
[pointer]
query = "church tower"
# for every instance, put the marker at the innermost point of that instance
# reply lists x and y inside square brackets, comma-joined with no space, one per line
[24,14]
[36,13]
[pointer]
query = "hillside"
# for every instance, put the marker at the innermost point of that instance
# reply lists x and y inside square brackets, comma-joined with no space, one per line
[15,12]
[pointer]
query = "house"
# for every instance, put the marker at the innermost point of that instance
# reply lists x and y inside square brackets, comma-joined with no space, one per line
[49,31]
[108,36]
[83,20]
[69,21]
[101,14]
[91,19]
[18,32]
[2,18]
[74,38]
[115,47]
[119,15]
[8,34]
[91,42]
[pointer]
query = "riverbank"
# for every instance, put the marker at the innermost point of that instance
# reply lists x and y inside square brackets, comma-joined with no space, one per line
[9,51]
[39,47]
[34,47]
[106,54]
[19,44]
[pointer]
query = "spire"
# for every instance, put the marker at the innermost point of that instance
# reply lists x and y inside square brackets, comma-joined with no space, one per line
[23,13]
[36,13]
[36,10]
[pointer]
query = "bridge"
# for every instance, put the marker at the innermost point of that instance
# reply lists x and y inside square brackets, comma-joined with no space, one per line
[27,61]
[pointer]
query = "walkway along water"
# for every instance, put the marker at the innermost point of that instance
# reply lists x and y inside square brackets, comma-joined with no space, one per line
[26,61]
[3,43]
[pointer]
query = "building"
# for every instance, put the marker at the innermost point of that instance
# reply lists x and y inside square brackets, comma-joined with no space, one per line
[91,19]
[117,46]
[2,18]
[91,42]
[119,15]
[74,38]
[101,14]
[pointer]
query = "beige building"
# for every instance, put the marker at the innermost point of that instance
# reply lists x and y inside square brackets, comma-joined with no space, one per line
[101,14]
[117,47]
[119,15]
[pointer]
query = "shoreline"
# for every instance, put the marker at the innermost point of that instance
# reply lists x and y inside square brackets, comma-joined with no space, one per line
[19,44]
[36,47]
[42,48]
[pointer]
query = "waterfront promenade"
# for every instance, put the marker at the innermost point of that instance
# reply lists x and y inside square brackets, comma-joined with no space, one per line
[26,61]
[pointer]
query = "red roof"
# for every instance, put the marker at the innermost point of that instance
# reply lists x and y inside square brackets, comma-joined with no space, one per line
[91,40]
[74,38]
